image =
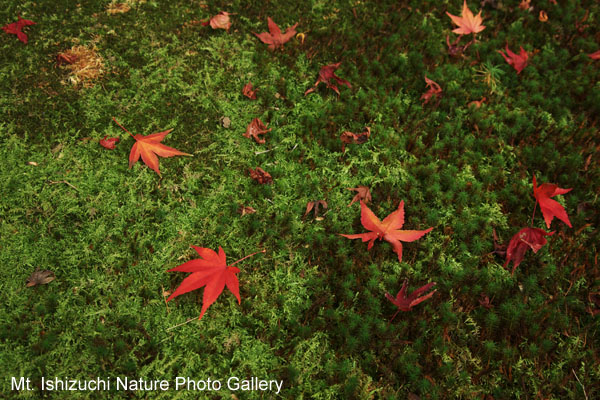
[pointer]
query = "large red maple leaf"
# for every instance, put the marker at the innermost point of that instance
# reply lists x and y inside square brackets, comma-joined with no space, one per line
[550,208]
[467,22]
[388,229]
[149,147]
[274,38]
[526,238]
[16,28]
[210,270]
[405,302]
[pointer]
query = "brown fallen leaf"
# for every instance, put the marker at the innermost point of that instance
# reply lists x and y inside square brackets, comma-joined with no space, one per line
[255,128]
[117,8]
[314,205]
[85,65]
[38,277]
[219,21]
[249,91]
[246,210]
[363,194]
[261,176]
[349,137]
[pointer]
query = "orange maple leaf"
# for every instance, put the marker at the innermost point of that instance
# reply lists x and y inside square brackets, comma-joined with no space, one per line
[388,229]
[210,270]
[149,147]
[468,23]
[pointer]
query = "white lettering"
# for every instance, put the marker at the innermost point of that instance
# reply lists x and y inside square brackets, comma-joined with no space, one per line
[233,383]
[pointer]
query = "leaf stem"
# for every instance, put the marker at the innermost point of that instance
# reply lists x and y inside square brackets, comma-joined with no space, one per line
[248,256]
[122,127]
[533,215]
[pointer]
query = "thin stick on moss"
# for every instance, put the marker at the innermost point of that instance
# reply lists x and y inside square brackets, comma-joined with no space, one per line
[63,181]
[582,387]
[181,324]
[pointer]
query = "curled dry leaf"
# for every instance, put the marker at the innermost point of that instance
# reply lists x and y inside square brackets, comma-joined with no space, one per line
[454,49]
[109,143]
[362,194]
[243,210]
[219,21]
[314,205]
[405,302]
[533,238]
[261,176]
[118,8]
[249,91]
[274,38]
[326,75]
[38,277]
[358,138]
[434,90]
[525,5]
[484,300]
[16,28]
[226,122]
[477,103]
[518,61]
[255,128]
[543,17]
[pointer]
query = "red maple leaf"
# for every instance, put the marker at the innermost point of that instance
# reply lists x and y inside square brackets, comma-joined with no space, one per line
[595,55]
[149,147]
[219,21]
[518,61]
[434,90]
[467,23]
[550,208]
[109,143]
[249,91]
[326,74]
[388,229]
[274,38]
[16,28]
[404,302]
[533,238]
[210,270]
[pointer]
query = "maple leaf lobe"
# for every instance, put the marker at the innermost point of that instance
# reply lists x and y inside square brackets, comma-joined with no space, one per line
[326,75]
[16,28]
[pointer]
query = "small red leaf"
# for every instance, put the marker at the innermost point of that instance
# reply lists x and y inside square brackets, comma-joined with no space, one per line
[405,302]
[16,28]
[532,238]
[274,38]
[255,128]
[261,176]
[248,91]
[518,61]
[109,143]
[434,90]
[550,208]
[219,21]
[326,75]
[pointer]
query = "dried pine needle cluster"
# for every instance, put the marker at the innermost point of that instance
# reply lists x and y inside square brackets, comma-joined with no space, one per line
[85,65]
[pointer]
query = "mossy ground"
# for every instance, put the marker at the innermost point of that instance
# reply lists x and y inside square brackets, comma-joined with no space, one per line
[313,311]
